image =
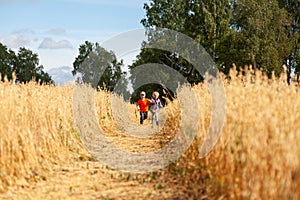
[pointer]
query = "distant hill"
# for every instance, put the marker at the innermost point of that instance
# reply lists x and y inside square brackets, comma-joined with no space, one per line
[62,75]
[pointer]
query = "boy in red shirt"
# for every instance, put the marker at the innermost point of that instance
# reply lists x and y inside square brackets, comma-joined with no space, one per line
[142,105]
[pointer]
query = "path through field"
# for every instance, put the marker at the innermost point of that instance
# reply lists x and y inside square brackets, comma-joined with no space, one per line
[44,157]
[85,178]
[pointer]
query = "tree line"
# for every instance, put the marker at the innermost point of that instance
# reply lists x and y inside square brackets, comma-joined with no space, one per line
[24,63]
[262,33]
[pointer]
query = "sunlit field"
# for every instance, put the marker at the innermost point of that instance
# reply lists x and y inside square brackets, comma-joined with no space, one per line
[256,157]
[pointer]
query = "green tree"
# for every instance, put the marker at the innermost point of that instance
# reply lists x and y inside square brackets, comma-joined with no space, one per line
[210,25]
[5,62]
[25,64]
[261,32]
[99,67]
[293,33]
[207,22]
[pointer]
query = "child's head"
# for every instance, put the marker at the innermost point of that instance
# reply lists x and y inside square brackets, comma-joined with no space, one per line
[143,94]
[155,95]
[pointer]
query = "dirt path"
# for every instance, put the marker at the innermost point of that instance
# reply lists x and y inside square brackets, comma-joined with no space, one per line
[88,180]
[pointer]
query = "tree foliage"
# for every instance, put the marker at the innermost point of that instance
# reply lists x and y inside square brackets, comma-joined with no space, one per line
[99,67]
[204,21]
[25,64]
[262,27]
[262,33]
[207,22]
[6,66]
[293,33]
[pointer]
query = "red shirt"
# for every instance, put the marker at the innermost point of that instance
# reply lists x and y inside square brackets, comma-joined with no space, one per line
[143,104]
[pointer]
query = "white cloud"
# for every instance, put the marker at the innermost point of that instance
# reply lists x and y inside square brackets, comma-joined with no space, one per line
[56,31]
[57,58]
[24,31]
[15,41]
[49,43]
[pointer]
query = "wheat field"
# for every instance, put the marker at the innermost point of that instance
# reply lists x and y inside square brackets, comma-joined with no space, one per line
[256,157]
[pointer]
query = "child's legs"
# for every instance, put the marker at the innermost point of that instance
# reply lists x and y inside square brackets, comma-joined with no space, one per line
[153,115]
[141,117]
[156,117]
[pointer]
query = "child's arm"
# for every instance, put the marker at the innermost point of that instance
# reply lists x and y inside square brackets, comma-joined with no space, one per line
[160,104]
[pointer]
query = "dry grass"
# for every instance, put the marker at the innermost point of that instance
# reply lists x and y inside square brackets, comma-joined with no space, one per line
[36,128]
[257,156]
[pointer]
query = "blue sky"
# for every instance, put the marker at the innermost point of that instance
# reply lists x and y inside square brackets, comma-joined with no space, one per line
[54,29]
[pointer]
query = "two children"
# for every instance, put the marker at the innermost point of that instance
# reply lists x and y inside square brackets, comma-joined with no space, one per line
[143,104]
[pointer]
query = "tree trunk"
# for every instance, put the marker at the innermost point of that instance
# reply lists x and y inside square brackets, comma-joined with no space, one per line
[253,61]
[289,71]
